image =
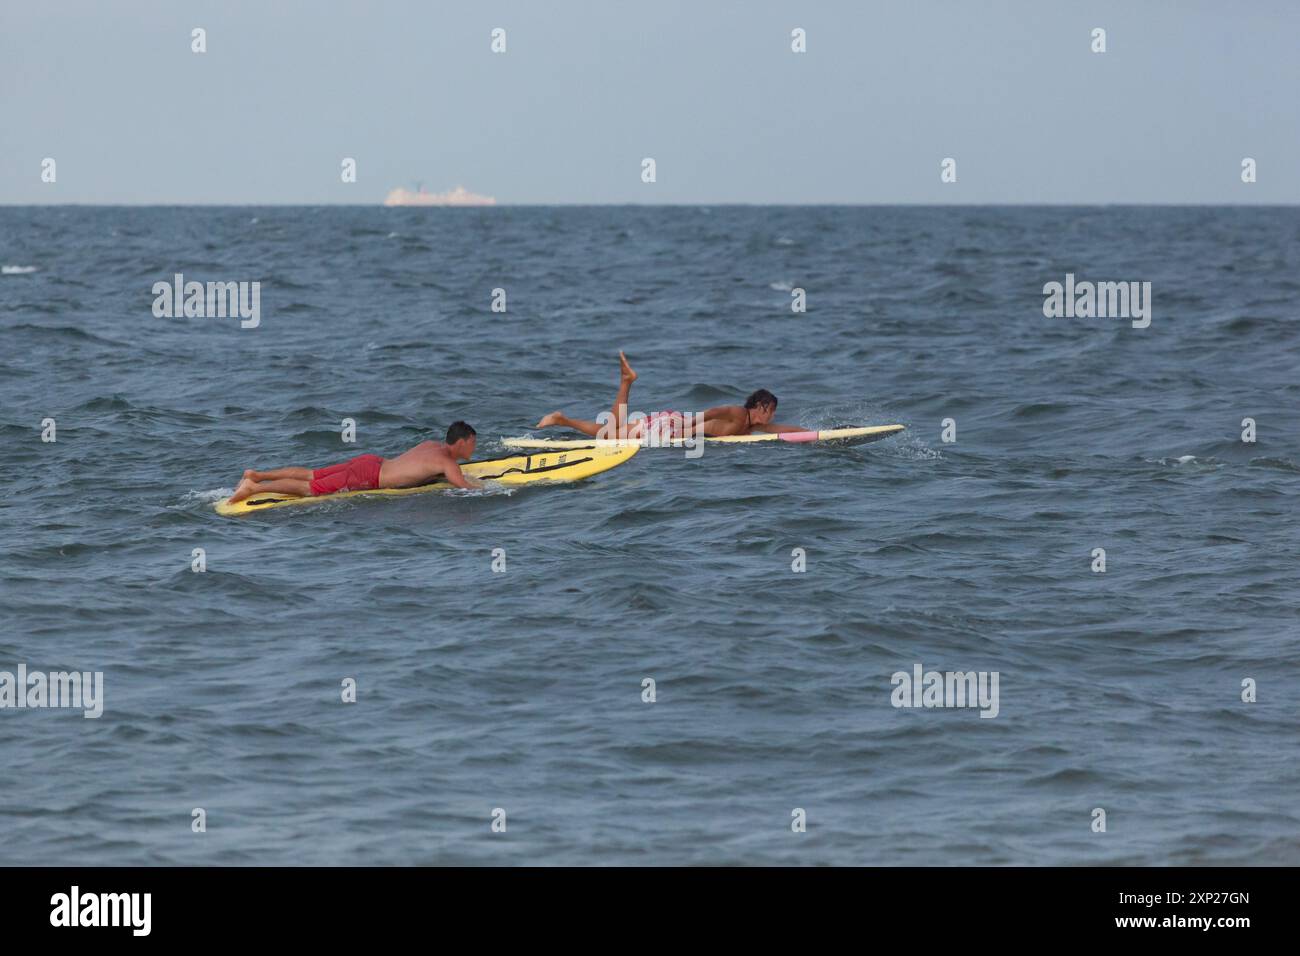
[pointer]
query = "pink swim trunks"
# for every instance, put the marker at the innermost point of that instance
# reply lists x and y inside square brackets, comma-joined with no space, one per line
[359,474]
[663,425]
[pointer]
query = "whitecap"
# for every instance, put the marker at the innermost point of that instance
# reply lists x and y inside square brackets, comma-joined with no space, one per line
[491,489]
[1187,460]
[213,494]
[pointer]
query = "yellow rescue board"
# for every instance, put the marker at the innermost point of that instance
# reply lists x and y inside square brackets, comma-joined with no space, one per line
[567,464]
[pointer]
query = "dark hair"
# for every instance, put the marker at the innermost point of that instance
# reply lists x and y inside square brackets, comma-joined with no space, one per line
[761,397]
[459,430]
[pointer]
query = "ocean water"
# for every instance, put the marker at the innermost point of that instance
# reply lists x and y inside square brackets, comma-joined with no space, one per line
[522,690]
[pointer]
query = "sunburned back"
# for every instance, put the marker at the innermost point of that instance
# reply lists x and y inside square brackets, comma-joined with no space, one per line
[425,461]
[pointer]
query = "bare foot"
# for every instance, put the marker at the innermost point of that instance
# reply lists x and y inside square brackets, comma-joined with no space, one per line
[250,474]
[626,370]
[555,418]
[246,488]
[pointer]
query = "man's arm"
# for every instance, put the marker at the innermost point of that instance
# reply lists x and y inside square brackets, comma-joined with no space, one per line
[453,474]
[777,429]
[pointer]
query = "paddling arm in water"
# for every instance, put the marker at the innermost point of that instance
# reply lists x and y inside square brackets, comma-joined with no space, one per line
[755,415]
[416,466]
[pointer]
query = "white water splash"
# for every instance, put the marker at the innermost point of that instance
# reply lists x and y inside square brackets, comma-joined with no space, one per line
[906,444]
[490,490]
[214,494]
[1184,460]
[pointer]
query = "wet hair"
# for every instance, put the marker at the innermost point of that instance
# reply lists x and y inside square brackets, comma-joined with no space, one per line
[761,397]
[459,430]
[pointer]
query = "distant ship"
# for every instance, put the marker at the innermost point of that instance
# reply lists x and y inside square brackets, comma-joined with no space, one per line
[460,196]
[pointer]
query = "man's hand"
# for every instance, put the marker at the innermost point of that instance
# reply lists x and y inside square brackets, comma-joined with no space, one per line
[453,474]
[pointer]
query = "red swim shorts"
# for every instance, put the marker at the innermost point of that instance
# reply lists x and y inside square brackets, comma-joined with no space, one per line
[359,474]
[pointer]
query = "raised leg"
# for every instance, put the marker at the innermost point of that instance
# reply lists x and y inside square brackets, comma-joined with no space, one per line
[625,380]
[618,411]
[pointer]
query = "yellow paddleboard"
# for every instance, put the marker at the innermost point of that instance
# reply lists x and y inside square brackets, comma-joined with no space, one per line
[567,464]
[830,436]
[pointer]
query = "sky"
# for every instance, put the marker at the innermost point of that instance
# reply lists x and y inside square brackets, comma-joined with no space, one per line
[709,89]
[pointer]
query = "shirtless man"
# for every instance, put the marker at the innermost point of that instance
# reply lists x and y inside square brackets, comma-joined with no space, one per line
[418,466]
[755,415]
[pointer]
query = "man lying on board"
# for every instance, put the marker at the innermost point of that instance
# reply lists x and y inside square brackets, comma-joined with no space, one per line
[418,466]
[755,415]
